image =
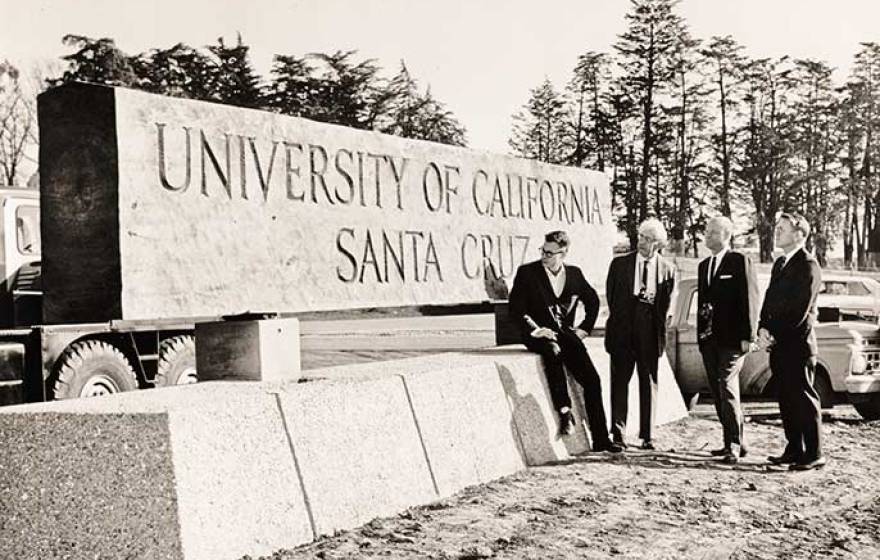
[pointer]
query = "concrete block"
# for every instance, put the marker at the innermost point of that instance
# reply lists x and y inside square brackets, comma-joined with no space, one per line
[358,450]
[466,423]
[165,207]
[196,472]
[260,350]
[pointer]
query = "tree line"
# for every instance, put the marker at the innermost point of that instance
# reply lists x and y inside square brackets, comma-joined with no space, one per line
[339,88]
[689,127]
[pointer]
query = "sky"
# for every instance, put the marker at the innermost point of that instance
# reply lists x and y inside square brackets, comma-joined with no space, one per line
[480,57]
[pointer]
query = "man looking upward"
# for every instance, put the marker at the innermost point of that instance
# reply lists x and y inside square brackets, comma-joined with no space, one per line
[727,304]
[786,328]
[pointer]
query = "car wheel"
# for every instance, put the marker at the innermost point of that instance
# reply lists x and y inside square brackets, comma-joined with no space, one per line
[690,400]
[822,384]
[870,409]
[91,368]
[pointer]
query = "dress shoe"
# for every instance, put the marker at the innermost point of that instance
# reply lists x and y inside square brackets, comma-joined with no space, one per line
[816,463]
[621,443]
[648,445]
[783,459]
[611,446]
[725,450]
[730,458]
[566,424]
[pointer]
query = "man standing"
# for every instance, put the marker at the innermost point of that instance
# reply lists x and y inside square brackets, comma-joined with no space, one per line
[638,289]
[727,313]
[786,328]
[543,301]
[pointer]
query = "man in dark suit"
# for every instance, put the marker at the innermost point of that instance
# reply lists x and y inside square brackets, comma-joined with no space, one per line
[786,328]
[727,314]
[639,289]
[543,301]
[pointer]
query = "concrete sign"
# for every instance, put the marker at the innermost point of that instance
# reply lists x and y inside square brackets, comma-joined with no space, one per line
[162,207]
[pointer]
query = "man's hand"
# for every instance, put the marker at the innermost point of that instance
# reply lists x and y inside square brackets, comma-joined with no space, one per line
[765,339]
[581,333]
[544,332]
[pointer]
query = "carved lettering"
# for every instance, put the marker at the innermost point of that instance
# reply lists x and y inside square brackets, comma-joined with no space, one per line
[163,173]
[291,171]
[348,256]
[224,177]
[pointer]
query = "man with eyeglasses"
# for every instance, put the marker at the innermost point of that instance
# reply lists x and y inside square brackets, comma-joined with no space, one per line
[786,329]
[543,301]
[639,288]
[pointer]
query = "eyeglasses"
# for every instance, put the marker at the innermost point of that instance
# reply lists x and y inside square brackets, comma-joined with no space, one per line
[547,253]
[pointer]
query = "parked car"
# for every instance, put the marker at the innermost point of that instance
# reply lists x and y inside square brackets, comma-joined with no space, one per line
[855,296]
[846,349]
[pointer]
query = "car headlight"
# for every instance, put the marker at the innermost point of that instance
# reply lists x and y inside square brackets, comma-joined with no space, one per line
[858,364]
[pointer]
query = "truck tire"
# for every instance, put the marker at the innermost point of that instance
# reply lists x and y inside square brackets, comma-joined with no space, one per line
[870,409]
[91,368]
[177,362]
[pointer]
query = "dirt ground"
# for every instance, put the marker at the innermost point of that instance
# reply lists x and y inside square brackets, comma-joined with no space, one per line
[676,502]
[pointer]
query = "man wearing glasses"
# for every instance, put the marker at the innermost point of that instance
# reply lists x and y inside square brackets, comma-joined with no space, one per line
[639,289]
[543,302]
[786,329]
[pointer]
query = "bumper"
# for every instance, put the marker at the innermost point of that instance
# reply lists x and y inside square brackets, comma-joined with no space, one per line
[862,384]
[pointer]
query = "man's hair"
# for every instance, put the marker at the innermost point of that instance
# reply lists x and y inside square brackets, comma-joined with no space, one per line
[559,237]
[798,222]
[725,223]
[655,227]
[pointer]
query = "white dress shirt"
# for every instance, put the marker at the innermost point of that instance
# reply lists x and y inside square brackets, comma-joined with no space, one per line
[557,281]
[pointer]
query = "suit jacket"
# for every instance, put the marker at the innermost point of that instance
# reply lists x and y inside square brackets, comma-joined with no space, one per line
[622,302]
[733,295]
[789,309]
[533,295]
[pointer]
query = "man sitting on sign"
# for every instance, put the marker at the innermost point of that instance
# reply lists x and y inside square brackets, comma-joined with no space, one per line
[543,302]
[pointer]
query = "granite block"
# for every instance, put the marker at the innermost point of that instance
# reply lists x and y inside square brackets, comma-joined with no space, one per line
[196,472]
[466,424]
[165,207]
[358,450]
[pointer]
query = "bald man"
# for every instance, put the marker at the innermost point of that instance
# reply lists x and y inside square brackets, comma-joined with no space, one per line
[727,317]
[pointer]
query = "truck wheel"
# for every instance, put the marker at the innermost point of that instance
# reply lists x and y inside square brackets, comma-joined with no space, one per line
[177,362]
[870,409]
[91,368]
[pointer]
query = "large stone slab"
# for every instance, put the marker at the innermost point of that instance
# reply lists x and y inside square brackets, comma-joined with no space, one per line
[163,207]
[68,489]
[196,472]
[358,450]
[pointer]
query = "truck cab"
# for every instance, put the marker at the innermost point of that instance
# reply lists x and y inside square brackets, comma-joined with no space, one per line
[21,296]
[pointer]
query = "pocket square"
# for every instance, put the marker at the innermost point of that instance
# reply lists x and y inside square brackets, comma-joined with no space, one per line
[725,277]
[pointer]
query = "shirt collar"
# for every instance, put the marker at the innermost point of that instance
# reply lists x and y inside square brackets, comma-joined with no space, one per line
[788,256]
[720,255]
[640,259]
[550,272]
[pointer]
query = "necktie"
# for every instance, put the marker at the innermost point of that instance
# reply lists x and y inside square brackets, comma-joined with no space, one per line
[777,266]
[711,270]
[644,277]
